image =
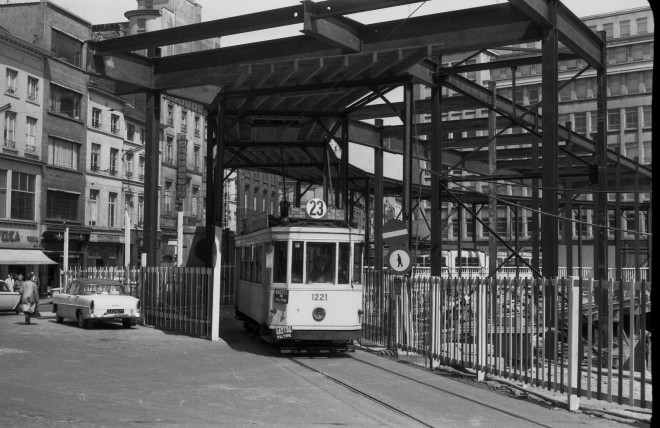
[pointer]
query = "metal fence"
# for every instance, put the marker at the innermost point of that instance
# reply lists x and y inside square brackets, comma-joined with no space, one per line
[628,274]
[177,299]
[573,336]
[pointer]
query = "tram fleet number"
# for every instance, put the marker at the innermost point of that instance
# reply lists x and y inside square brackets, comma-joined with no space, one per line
[320,296]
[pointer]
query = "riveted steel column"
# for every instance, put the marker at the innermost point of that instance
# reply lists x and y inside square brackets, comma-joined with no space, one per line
[436,169]
[378,201]
[549,175]
[600,159]
[151,169]
[210,189]
[492,186]
[344,197]
[407,158]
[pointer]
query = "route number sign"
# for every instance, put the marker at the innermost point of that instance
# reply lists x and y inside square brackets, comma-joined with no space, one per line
[316,208]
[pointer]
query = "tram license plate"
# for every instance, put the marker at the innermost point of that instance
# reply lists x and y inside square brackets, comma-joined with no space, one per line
[283,332]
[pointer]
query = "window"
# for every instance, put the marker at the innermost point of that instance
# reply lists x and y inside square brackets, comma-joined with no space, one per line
[642,25]
[194,203]
[581,86]
[196,151]
[170,114]
[66,48]
[112,205]
[279,261]
[130,131]
[647,114]
[129,165]
[648,81]
[33,89]
[31,124]
[594,122]
[169,150]
[10,129]
[95,161]
[63,153]
[565,93]
[648,152]
[632,83]
[140,217]
[62,205]
[93,207]
[114,124]
[609,30]
[167,197]
[533,94]
[96,118]
[184,120]
[632,150]
[64,101]
[580,125]
[141,168]
[321,262]
[624,28]
[614,85]
[22,196]
[12,77]
[142,136]
[613,120]
[114,154]
[631,118]
[197,120]
[3,193]
[141,25]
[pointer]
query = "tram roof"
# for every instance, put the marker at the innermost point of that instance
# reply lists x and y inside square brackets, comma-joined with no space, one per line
[285,100]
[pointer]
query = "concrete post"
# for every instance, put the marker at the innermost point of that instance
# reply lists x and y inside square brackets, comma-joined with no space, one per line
[573,343]
[482,319]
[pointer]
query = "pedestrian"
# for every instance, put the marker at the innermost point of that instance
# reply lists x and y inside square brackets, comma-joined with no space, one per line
[10,281]
[29,298]
[35,278]
[18,282]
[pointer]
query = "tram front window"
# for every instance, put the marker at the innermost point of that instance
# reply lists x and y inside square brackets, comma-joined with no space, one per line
[344,262]
[297,262]
[321,262]
[279,261]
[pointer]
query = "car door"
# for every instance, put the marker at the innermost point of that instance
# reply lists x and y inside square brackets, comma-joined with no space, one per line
[8,298]
[65,306]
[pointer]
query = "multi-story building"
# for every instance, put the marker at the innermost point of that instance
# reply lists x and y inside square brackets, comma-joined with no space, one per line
[630,58]
[21,153]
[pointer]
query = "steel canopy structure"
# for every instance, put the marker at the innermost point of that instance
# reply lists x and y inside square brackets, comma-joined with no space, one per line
[276,105]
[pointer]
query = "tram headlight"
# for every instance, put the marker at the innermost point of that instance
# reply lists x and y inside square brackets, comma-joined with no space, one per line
[318,314]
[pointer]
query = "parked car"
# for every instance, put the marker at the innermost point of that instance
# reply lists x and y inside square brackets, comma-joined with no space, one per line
[93,300]
[8,298]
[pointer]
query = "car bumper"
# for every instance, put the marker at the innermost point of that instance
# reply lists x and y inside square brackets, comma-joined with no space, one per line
[133,316]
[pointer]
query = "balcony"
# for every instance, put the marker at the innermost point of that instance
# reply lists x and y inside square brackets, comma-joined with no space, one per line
[10,90]
[96,123]
[10,144]
[114,130]
[129,174]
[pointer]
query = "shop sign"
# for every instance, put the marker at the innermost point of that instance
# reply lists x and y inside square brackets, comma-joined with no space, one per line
[94,237]
[10,236]
[182,167]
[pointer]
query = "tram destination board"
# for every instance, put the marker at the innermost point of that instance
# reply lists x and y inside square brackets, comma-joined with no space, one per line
[280,296]
[332,213]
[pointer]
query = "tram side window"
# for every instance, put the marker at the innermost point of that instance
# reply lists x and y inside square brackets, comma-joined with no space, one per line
[357,264]
[257,267]
[297,262]
[321,262]
[344,262]
[279,261]
[467,261]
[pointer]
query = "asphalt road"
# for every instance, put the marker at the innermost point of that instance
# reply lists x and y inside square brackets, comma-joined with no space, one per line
[59,375]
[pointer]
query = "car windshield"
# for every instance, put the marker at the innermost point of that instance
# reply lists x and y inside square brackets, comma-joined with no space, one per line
[115,289]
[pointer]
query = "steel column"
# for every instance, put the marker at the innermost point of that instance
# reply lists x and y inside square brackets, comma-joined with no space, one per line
[151,169]
[549,229]
[492,187]
[600,159]
[407,158]
[210,189]
[436,170]
[378,203]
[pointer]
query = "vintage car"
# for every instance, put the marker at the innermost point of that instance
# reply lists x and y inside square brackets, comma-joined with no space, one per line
[92,300]
[9,299]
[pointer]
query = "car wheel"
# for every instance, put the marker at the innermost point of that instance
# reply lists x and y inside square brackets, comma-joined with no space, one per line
[82,322]
[58,318]
[126,323]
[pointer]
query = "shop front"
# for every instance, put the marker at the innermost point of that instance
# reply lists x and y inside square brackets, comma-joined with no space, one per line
[21,253]
[105,250]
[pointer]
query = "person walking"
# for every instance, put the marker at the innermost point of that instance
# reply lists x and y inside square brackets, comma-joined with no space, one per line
[29,298]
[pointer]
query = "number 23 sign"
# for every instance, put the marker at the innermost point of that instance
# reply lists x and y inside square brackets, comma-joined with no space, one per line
[316,208]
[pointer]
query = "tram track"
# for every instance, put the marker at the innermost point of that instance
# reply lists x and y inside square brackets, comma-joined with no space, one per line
[359,392]
[403,413]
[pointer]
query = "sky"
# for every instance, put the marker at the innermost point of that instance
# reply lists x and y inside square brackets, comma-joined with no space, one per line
[106,11]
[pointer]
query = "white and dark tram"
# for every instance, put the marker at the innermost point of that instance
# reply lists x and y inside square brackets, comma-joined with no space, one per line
[299,281]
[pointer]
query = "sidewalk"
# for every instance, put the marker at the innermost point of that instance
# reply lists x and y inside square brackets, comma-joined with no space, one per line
[513,387]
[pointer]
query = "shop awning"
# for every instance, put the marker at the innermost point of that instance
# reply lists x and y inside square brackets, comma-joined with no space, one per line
[17,256]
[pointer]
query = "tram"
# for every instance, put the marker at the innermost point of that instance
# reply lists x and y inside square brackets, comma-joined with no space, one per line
[299,281]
